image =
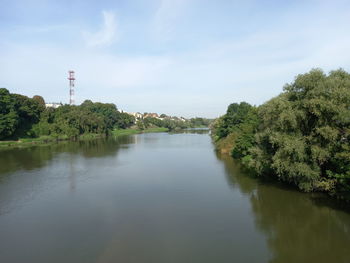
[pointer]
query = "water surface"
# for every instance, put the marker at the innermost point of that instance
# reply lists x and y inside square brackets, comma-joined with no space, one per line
[156,198]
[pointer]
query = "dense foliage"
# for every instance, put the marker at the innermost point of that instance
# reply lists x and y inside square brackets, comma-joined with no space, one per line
[21,116]
[301,136]
[168,123]
[18,114]
[172,123]
[200,122]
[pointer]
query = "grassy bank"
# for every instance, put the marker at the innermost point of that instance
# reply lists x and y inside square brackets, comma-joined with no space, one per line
[22,142]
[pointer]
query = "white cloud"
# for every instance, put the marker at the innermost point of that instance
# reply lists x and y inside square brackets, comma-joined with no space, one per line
[106,35]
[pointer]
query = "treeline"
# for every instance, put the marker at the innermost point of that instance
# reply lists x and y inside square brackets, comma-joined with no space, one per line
[22,117]
[301,136]
[172,124]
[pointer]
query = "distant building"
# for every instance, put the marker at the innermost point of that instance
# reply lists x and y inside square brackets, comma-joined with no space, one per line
[137,115]
[151,115]
[54,105]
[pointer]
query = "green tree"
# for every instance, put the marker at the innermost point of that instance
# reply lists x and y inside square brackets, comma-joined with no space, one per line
[40,100]
[124,120]
[8,115]
[235,115]
[304,136]
[18,114]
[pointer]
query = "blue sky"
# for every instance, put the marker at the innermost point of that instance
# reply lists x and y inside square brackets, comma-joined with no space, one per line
[179,57]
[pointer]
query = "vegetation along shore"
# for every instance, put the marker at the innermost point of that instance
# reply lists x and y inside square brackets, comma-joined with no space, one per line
[301,137]
[25,121]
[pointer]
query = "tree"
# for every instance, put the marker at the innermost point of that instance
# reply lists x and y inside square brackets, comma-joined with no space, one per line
[140,125]
[236,114]
[305,133]
[301,136]
[40,100]
[8,114]
[245,138]
[18,114]
[108,112]
[124,120]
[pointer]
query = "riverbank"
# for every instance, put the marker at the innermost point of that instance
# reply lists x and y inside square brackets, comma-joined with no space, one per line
[225,147]
[24,142]
[122,132]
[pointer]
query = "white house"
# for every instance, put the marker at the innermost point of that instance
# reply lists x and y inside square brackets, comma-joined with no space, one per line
[54,105]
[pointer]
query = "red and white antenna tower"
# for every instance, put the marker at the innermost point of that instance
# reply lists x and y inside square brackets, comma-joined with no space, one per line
[71,86]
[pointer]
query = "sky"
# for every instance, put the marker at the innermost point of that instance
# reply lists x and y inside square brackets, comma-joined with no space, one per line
[179,57]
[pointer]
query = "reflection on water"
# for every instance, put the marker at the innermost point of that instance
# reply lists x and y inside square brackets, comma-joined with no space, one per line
[29,158]
[194,131]
[55,162]
[295,228]
[155,198]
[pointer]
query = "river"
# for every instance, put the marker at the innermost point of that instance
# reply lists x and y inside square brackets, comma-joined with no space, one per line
[156,198]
